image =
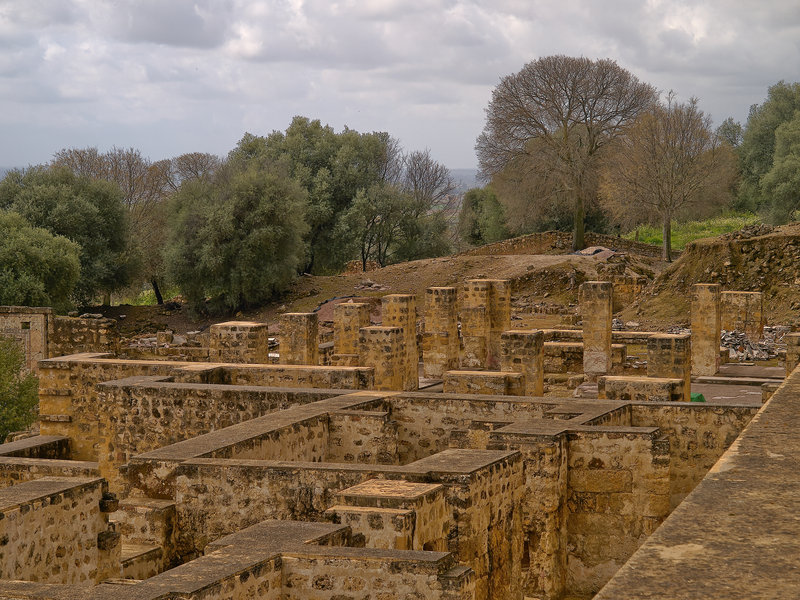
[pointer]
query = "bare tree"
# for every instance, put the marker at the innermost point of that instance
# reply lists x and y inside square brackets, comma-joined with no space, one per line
[669,160]
[555,116]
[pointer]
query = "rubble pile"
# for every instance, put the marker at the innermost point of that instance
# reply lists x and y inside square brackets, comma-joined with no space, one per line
[741,348]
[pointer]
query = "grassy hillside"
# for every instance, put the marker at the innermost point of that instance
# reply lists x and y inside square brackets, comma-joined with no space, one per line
[683,233]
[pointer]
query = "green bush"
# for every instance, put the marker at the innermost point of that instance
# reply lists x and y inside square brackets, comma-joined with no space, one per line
[36,267]
[18,391]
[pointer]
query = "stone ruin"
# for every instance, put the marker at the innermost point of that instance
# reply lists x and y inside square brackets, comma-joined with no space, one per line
[470,474]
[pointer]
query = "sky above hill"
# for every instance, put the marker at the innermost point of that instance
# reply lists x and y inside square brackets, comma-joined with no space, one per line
[174,76]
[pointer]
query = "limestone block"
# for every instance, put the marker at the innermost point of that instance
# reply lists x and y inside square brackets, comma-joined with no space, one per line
[474,349]
[523,352]
[299,341]
[348,319]
[382,349]
[400,310]
[239,342]
[670,356]
[706,324]
[595,299]
[440,343]
[640,389]
[484,382]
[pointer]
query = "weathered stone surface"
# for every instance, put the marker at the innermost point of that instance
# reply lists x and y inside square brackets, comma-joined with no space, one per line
[670,356]
[706,325]
[595,299]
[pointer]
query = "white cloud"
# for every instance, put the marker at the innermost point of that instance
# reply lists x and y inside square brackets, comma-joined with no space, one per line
[183,75]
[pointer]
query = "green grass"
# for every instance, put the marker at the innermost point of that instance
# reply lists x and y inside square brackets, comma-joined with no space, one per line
[147,297]
[683,233]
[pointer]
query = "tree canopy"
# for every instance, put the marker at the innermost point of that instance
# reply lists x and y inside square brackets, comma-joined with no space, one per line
[236,239]
[668,160]
[759,152]
[549,122]
[87,211]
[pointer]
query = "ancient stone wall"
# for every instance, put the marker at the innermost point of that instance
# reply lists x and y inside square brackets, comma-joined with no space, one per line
[743,311]
[670,356]
[56,530]
[706,324]
[440,343]
[559,242]
[29,327]
[71,335]
[238,342]
[299,341]
[595,305]
[698,435]
[618,494]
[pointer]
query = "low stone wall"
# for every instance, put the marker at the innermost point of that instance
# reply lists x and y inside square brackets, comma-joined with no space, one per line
[71,335]
[736,535]
[698,435]
[55,530]
[560,242]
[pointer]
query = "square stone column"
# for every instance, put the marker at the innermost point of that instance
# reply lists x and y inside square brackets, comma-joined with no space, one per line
[706,326]
[743,311]
[400,310]
[440,339]
[671,356]
[382,348]
[299,341]
[792,351]
[348,319]
[494,295]
[595,301]
[474,337]
[523,352]
[238,342]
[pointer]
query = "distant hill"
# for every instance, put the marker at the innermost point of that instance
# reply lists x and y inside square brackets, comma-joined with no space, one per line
[465,179]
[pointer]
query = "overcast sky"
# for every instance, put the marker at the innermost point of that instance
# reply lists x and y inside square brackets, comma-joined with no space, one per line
[174,76]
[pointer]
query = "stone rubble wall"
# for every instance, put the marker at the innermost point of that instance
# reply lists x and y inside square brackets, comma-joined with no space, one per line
[53,530]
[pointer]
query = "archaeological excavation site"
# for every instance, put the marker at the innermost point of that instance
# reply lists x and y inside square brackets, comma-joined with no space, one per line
[461,442]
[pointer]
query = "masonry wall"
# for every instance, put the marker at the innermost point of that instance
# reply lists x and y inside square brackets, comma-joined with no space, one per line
[425,424]
[70,335]
[618,494]
[53,530]
[29,327]
[698,436]
[361,436]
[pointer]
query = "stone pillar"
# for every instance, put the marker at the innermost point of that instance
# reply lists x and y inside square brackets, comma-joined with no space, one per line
[671,356]
[382,349]
[299,342]
[742,311]
[400,310]
[474,337]
[792,351]
[494,296]
[238,342]
[705,328]
[595,300]
[348,319]
[499,319]
[440,339]
[523,352]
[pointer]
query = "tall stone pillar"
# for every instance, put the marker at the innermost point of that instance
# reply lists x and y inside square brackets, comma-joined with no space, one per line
[238,342]
[494,296]
[383,349]
[705,328]
[792,351]
[400,310]
[595,301]
[440,339]
[299,341]
[523,352]
[348,319]
[671,356]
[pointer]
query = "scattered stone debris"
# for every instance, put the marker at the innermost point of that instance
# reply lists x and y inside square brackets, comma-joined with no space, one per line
[368,284]
[741,348]
[91,316]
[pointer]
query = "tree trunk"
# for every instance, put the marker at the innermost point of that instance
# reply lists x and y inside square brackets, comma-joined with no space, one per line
[106,298]
[666,247]
[156,291]
[578,242]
